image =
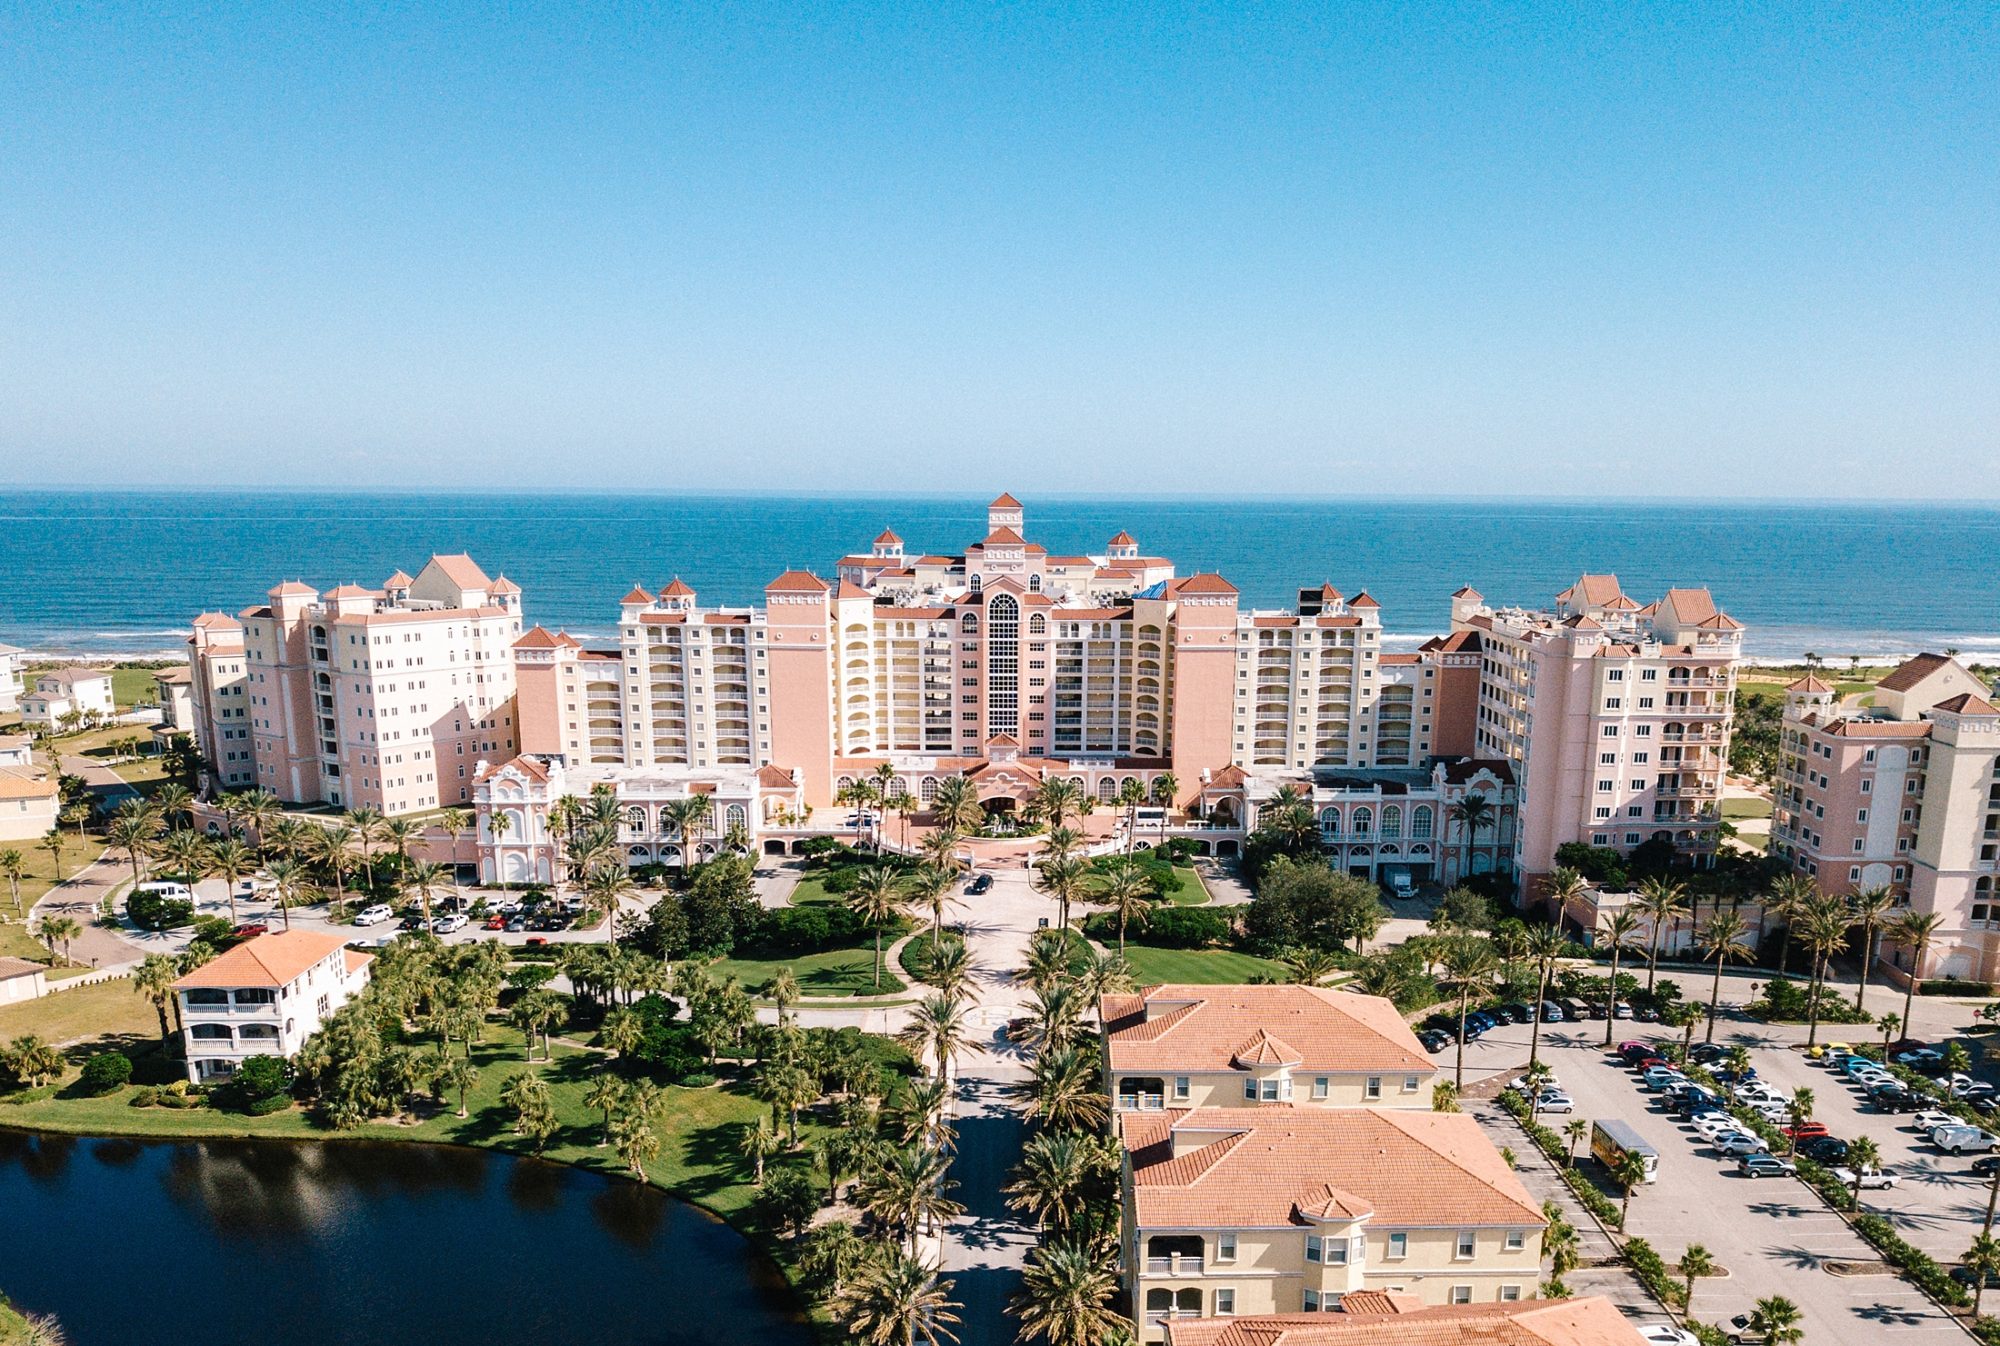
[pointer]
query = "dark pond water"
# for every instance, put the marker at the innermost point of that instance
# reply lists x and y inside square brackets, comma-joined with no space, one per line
[327,1245]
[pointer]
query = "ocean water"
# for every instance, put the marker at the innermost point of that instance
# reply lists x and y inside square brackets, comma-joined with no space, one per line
[124,572]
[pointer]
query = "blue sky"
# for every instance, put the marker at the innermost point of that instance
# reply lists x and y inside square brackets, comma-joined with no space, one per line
[1245,249]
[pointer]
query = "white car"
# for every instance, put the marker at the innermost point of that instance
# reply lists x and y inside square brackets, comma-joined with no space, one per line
[445,925]
[1754,1092]
[1525,1085]
[1716,1124]
[374,915]
[1737,1143]
[1555,1100]
[1871,1177]
[1665,1334]
[1957,1139]
[1930,1119]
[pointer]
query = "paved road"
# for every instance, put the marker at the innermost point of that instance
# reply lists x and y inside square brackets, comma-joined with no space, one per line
[110,787]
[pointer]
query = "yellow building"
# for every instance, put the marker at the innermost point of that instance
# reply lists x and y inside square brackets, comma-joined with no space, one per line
[1281,1208]
[1231,1046]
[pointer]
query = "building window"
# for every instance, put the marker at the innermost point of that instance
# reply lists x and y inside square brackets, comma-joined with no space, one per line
[1319,1086]
[1180,1086]
[1399,1247]
[1411,1083]
[1225,1248]
[1509,1293]
[1336,1252]
[1225,1303]
[1374,1086]
[1314,1249]
[1517,1239]
[1461,1294]
[1467,1243]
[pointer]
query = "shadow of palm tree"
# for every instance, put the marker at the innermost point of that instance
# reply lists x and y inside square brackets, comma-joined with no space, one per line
[1892,1315]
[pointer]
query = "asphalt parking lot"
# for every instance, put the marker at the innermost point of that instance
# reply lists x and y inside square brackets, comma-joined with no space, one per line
[1774,1236]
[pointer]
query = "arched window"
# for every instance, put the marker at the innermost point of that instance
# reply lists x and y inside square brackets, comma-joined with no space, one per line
[1034,584]
[969,623]
[1107,789]
[974,582]
[1329,822]
[1003,663]
[635,818]
[1392,820]
[1364,820]
[927,789]
[1420,821]
[734,816]
[1038,625]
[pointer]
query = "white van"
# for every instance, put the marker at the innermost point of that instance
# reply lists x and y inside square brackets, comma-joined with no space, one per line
[1398,882]
[165,889]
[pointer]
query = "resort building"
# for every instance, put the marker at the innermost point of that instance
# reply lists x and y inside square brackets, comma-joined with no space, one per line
[1614,716]
[519,831]
[1184,1047]
[29,803]
[264,997]
[385,698]
[1286,1209]
[12,658]
[1371,1318]
[1903,795]
[64,697]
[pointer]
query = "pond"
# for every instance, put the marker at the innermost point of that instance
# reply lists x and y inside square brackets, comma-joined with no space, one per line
[330,1244]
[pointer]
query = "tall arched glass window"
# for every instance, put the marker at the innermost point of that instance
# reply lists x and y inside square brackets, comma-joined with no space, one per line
[1003,665]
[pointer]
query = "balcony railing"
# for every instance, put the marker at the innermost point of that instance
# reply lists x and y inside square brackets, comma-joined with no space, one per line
[1175,1264]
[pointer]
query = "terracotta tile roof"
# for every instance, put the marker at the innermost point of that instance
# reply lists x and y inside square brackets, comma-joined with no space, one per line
[797,582]
[356,960]
[20,783]
[1878,729]
[1273,622]
[1071,561]
[1372,1318]
[1003,537]
[292,589]
[175,674]
[1264,1050]
[722,619]
[462,570]
[11,968]
[503,585]
[775,778]
[1124,539]
[276,959]
[1913,671]
[848,590]
[1203,584]
[1809,683]
[940,560]
[399,581]
[1005,501]
[527,766]
[539,637]
[1594,590]
[1965,703]
[1362,600]
[1399,659]
[1323,1029]
[210,621]
[1466,591]
[663,618]
[349,591]
[637,596]
[1229,776]
[1325,623]
[1721,621]
[676,589]
[1266,1164]
[888,538]
[1690,607]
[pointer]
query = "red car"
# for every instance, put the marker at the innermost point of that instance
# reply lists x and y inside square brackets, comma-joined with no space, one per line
[1805,1131]
[249,930]
[496,922]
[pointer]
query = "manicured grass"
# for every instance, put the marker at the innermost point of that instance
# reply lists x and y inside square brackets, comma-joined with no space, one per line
[915,958]
[130,686]
[812,892]
[1188,890]
[845,972]
[1738,807]
[1210,966]
[16,942]
[39,873]
[110,1009]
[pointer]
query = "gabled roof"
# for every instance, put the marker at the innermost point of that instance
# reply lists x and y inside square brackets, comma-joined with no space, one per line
[888,538]
[1228,1027]
[276,959]
[637,596]
[541,638]
[399,581]
[676,588]
[1203,584]
[1810,684]
[1005,501]
[775,778]
[1376,1318]
[1913,671]
[1362,600]
[462,570]
[1965,703]
[797,582]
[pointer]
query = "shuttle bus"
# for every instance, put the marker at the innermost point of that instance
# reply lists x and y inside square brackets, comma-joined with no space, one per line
[1612,1141]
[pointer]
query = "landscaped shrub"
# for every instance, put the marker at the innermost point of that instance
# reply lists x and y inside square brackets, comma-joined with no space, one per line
[807,929]
[104,1072]
[1913,1262]
[1652,1272]
[1791,1002]
[1166,928]
[145,1096]
[157,911]
[1308,904]
[1954,986]
[1557,1152]
[258,1081]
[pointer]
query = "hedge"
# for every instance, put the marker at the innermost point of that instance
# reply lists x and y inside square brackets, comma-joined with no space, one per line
[1654,1274]
[1913,1262]
[1954,986]
[1557,1152]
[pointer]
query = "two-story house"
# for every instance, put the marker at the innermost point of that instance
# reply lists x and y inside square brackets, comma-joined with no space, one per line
[1369,1318]
[1223,1046]
[264,997]
[1283,1208]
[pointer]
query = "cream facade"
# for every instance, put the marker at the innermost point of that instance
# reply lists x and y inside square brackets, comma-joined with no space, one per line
[12,660]
[1903,795]
[1284,1208]
[1185,1047]
[1615,716]
[29,803]
[264,997]
[386,698]
[64,696]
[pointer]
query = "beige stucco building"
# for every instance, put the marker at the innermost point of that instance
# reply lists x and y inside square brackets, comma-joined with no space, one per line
[1289,1208]
[264,997]
[1371,1318]
[12,659]
[386,698]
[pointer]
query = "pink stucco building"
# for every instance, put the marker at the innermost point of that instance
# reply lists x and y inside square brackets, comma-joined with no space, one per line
[1903,794]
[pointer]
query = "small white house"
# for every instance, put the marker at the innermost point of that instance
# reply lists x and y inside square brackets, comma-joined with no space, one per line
[29,803]
[17,750]
[21,980]
[264,997]
[60,691]
[11,686]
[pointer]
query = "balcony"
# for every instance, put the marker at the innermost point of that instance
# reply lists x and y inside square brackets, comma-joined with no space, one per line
[1175,1265]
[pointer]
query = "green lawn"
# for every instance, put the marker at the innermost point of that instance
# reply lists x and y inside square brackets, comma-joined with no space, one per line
[845,972]
[915,959]
[109,1010]
[812,892]
[1188,890]
[130,686]
[1738,807]
[1210,966]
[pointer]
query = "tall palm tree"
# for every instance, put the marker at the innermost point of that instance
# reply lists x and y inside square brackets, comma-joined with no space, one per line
[1468,965]
[1063,878]
[1048,1183]
[938,1025]
[1130,795]
[14,866]
[367,824]
[1125,888]
[133,834]
[1564,886]
[878,899]
[155,980]
[424,878]
[1629,1173]
[930,887]
[330,847]
[1862,1155]
[1065,1296]
[1982,1261]
[939,850]
[498,824]
[1914,930]
[1621,932]
[1787,898]
[1661,900]
[187,855]
[258,811]
[1694,1264]
[288,879]
[604,888]
[173,801]
[1825,932]
[1546,945]
[908,1189]
[1869,906]
[1474,814]
[59,930]
[1063,1090]
[898,1301]
[454,823]
[956,806]
[231,860]
[689,817]
[1165,788]
[1720,938]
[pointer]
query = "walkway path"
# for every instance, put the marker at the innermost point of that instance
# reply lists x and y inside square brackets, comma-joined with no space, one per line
[79,898]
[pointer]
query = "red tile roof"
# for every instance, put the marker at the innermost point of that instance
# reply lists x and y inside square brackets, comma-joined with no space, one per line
[797,582]
[1373,1318]
[888,538]
[276,959]
[1005,501]
[1204,584]
[1329,1030]
[1913,671]
[637,596]
[462,570]
[676,588]
[1965,703]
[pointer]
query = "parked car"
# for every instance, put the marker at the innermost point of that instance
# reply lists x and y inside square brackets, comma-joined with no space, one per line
[1704,1052]
[980,883]
[1513,1013]
[1580,1009]
[1930,1119]
[1714,1124]
[1805,1130]
[1522,1084]
[374,915]
[1555,1100]
[1738,1143]
[1965,1088]
[1666,1334]
[1927,1060]
[496,922]
[1986,1167]
[1958,1138]
[1765,1166]
[515,925]
[250,930]
[1824,1149]
[1634,1049]
[1967,1277]
[1645,1014]
[1904,1101]
[1870,1177]
[1551,1012]
[414,921]
[445,925]
[1434,1040]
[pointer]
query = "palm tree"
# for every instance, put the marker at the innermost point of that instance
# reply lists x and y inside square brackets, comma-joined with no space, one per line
[689,817]
[1545,945]
[606,1092]
[1621,931]
[1869,906]
[938,1025]
[1694,1264]
[907,1189]
[877,899]
[498,824]
[231,860]
[461,1075]
[1468,965]
[604,888]
[1309,967]
[898,1301]
[759,1144]
[1474,813]
[59,930]
[940,851]
[931,887]
[288,879]
[1862,1155]
[187,853]
[1787,898]
[1800,1109]
[367,825]
[257,810]
[133,834]
[1063,878]
[1130,795]
[1574,1131]
[14,866]
[1165,788]
[1982,1262]
[1127,891]
[1720,939]
[424,877]
[1662,901]
[330,846]
[53,842]
[1629,1172]
[1564,886]
[173,801]
[783,991]
[1914,930]
[1063,1090]
[950,970]
[1049,1181]
[1776,1321]
[155,980]
[1065,1296]
[956,806]
[1825,932]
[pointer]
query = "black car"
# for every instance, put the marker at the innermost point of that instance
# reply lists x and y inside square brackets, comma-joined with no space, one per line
[1824,1149]
[979,884]
[1905,1101]
[415,922]
[1515,1013]
[1434,1040]
[1985,1167]
[1645,1014]
[1440,1023]
[1704,1052]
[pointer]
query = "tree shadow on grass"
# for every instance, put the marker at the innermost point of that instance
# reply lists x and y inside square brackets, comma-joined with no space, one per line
[713,1156]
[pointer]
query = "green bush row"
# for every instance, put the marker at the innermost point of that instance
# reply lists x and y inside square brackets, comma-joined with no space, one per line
[1954,986]
[1654,1273]
[1552,1146]
[1913,1262]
